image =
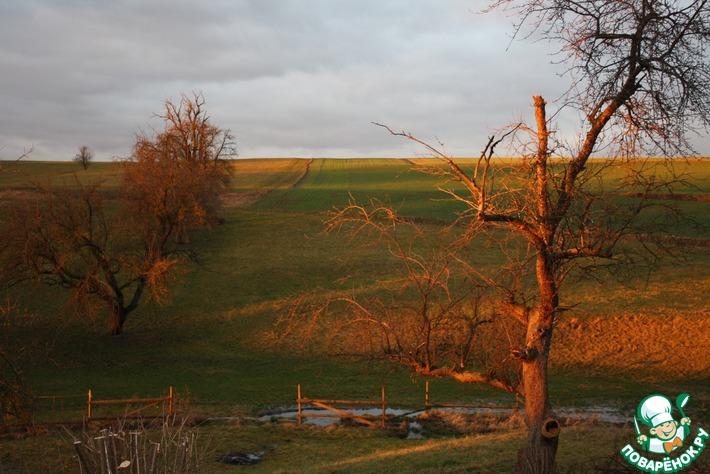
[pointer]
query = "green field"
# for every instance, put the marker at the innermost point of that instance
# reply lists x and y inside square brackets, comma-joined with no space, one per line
[207,339]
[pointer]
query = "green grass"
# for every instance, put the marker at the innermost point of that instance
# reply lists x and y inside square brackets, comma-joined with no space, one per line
[290,449]
[25,173]
[263,255]
[206,338]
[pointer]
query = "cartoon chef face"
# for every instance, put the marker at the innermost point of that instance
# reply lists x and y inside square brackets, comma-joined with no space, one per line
[665,431]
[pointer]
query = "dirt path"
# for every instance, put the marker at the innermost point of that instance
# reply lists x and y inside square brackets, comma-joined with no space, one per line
[253,187]
[303,177]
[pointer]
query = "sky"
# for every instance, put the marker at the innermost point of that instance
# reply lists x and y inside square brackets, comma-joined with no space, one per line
[289,77]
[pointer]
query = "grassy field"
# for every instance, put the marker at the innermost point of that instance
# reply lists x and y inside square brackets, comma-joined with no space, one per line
[208,339]
[289,449]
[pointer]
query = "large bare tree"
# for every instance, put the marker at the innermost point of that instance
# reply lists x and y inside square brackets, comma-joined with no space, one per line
[641,80]
[116,253]
[186,166]
[67,237]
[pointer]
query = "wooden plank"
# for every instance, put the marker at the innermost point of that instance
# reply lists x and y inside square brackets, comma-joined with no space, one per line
[336,415]
[308,401]
[384,407]
[171,403]
[344,414]
[427,402]
[299,416]
[144,407]
[129,401]
[57,397]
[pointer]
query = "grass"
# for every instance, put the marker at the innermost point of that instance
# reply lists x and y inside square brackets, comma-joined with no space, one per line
[291,449]
[271,247]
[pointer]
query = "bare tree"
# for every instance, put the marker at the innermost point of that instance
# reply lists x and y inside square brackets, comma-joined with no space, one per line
[64,237]
[114,255]
[84,156]
[183,167]
[431,316]
[642,82]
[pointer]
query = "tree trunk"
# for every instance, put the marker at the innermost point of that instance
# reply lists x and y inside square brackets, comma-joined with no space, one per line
[537,456]
[117,318]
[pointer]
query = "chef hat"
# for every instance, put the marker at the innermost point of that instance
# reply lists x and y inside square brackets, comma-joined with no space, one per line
[655,410]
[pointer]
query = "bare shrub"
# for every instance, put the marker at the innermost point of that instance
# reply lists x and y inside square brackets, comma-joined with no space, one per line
[174,449]
[429,317]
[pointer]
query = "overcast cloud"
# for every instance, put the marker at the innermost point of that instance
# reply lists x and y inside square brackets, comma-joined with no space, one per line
[289,77]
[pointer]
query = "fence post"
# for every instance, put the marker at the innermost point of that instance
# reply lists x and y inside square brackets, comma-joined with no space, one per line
[384,407]
[171,403]
[88,406]
[427,404]
[299,415]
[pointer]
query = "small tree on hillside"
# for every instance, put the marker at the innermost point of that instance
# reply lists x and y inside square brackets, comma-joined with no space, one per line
[84,156]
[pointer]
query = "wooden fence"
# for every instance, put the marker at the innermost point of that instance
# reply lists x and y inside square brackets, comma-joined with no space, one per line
[337,407]
[75,409]
[168,403]
[329,408]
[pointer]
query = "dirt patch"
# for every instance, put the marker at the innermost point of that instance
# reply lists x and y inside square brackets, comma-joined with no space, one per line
[649,346]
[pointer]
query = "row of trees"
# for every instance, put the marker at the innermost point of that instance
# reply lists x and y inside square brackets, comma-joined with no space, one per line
[111,250]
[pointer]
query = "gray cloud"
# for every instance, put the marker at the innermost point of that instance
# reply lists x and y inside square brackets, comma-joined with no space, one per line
[289,77]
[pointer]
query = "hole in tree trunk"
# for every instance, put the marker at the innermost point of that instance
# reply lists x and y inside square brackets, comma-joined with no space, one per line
[550,428]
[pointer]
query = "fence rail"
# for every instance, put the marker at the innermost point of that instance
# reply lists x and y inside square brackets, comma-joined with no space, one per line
[91,402]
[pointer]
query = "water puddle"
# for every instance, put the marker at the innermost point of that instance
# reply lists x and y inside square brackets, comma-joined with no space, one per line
[604,414]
